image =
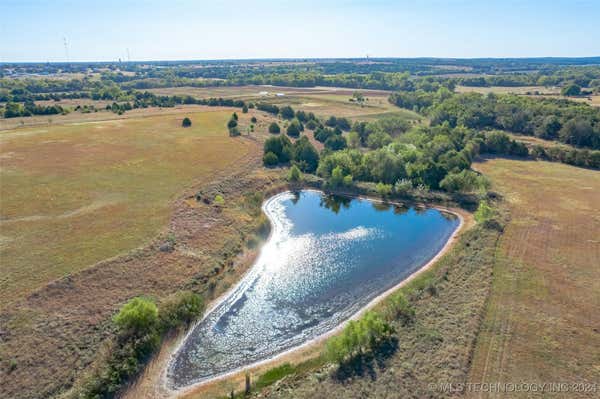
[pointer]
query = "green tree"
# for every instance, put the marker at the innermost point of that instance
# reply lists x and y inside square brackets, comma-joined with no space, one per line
[232,123]
[353,139]
[337,177]
[270,159]
[305,155]
[187,122]
[336,142]
[286,112]
[293,130]
[571,90]
[137,317]
[274,128]
[294,175]
[245,109]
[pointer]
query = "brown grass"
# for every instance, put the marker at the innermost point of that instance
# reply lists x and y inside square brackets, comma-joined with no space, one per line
[75,194]
[542,322]
[68,320]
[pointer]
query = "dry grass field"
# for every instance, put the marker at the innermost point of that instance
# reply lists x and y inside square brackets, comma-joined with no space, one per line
[323,101]
[542,322]
[85,208]
[75,194]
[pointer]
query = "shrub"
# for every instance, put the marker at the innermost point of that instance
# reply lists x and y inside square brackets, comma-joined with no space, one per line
[398,307]
[253,119]
[484,212]
[294,174]
[180,309]
[137,317]
[383,189]
[219,200]
[245,109]
[187,122]
[274,128]
[402,186]
[234,132]
[465,181]
[232,123]
[270,159]
[361,335]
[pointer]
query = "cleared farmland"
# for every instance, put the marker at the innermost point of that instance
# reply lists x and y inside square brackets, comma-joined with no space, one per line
[542,317]
[75,194]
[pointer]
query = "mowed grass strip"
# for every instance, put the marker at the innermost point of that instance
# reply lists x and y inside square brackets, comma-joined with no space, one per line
[542,322]
[72,195]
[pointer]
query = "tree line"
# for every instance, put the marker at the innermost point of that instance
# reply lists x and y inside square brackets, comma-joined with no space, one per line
[569,122]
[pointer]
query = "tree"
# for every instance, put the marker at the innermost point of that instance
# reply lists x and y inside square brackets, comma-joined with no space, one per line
[311,124]
[187,122]
[270,159]
[294,174]
[137,317]
[335,143]
[234,116]
[245,109]
[286,112]
[571,90]
[281,146]
[353,139]
[465,181]
[274,128]
[232,123]
[253,119]
[577,131]
[337,177]
[293,130]
[358,97]
[305,155]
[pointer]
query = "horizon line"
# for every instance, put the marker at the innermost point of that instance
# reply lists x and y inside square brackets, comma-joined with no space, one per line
[119,61]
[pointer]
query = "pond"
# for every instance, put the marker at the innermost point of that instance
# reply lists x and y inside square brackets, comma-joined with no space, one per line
[327,257]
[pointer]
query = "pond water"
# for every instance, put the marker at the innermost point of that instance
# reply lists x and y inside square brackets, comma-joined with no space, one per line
[327,257]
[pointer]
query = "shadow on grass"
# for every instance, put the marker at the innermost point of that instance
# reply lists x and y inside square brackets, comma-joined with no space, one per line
[367,363]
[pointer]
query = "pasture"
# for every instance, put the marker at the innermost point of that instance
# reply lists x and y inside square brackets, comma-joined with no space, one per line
[323,101]
[542,318]
[74,194]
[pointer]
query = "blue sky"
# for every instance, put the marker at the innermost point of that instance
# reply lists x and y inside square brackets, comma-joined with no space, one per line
[103,30]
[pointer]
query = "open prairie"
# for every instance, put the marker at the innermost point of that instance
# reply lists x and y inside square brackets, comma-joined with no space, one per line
[542,322]
[323,101]
[78,193]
